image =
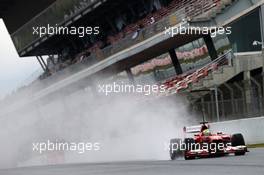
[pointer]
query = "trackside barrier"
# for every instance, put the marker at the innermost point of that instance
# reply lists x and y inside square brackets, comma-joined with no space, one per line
[251,128]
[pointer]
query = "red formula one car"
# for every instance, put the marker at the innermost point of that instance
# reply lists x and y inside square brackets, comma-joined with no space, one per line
[206,144]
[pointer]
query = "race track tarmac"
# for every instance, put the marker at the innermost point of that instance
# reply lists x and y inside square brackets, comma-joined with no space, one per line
[250,164]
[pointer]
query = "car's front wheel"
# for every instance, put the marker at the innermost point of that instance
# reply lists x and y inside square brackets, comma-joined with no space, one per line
[238,140]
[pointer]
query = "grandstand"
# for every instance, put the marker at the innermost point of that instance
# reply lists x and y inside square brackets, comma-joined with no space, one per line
[217,74]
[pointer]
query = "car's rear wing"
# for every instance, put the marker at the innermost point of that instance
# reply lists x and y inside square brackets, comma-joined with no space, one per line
[195,129]
[192,129]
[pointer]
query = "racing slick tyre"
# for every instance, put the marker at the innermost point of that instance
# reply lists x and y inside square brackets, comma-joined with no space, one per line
[238,140]
[190,145]
[175,151]
[214,149]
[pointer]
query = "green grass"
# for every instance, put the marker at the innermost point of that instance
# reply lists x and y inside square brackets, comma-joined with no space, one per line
[256,146]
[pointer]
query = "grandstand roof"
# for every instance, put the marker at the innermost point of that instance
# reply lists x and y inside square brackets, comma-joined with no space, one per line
[19,18]
[5,5]
[17,12]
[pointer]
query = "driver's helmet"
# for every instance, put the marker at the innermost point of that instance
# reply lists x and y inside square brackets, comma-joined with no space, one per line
[204,127]
[206,132]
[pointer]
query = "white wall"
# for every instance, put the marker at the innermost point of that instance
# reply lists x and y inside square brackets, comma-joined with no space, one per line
[252,129]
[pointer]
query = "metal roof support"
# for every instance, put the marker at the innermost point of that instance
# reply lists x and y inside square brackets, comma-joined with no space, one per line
[254,81]
[51,57]
[41,64]
[41,58]
[240,88]
[213,110]
[231,90]
[175,61]
[203,108]
[222,102]
[210,46]
[130,76]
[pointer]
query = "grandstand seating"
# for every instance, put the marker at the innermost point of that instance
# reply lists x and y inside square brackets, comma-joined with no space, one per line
[191,7]
[181,82]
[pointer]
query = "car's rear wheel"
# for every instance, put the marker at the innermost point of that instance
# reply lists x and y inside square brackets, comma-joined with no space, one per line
[238,140]
[175,151]
[190,145]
